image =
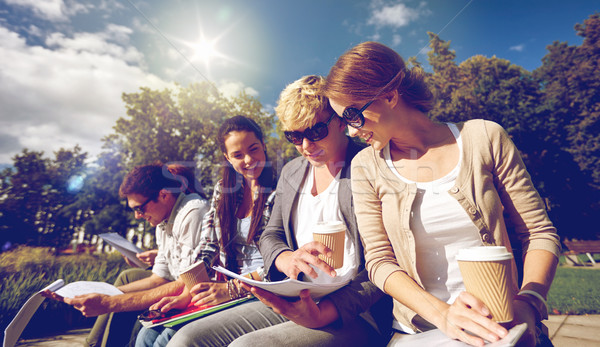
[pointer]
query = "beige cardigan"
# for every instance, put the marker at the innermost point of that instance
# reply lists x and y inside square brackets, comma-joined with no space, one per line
[492,180]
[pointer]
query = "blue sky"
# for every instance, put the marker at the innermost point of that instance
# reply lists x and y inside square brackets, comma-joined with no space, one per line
[65,63]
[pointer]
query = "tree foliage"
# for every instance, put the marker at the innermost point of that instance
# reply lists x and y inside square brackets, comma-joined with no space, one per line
[173,126]
[552,114]
[570,79]
[37,197]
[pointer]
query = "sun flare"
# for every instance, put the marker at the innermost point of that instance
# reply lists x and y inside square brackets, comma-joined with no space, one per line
[204,50]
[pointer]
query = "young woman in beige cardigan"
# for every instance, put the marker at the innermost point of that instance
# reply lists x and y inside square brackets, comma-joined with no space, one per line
[424,189]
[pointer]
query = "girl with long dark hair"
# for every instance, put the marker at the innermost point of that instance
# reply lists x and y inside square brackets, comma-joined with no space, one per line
[240,210]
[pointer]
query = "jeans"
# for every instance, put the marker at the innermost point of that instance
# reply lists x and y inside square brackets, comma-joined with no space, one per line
[154,337]
[115,329]
[255,324]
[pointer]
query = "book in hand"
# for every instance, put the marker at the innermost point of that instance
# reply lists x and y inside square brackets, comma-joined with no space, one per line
[17,325]
[177,317]
[288,287]
[125,247]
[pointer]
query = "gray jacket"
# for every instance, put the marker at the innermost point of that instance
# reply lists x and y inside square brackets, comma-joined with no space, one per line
[360,296]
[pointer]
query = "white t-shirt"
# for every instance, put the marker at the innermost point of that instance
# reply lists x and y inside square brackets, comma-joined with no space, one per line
[247,254]
[323,207]
[441,227]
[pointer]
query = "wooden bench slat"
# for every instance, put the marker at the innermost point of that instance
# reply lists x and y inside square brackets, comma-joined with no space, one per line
[587,247]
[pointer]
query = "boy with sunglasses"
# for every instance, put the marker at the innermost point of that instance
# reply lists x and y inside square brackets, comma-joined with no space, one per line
[312,188]
[158,196]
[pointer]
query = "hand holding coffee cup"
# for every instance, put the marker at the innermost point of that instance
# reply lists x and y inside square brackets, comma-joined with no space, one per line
[194,274]
[486,272]
[333,235]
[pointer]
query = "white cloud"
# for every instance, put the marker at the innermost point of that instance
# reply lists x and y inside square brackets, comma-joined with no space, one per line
[51,10]
[518,48]
[233,88]
[67,94]
[395,15]
[102,43]
[375,37]
[143,27]
[396,40]
[34,31]
[109,5]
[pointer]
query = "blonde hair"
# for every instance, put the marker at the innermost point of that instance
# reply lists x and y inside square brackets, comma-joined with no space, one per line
[300,102]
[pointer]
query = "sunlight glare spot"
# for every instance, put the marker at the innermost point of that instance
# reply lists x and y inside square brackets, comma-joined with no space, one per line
[204,50]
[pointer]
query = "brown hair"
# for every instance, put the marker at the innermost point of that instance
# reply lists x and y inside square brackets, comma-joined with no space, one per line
[226,206]
[148,180]
[371,69]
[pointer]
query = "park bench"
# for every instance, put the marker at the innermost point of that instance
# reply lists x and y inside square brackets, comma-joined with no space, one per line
[576,247]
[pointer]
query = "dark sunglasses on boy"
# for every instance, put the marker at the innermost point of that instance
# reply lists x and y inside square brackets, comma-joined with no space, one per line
[315,133]
[141,209]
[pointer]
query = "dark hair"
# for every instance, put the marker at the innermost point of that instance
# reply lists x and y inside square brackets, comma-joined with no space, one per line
[147,180]
[370,69]
[226,206]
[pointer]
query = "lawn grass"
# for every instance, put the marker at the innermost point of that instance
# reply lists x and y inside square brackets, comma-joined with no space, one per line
[575,291]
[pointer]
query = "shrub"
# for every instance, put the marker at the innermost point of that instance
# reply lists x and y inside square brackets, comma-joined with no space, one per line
[26,270]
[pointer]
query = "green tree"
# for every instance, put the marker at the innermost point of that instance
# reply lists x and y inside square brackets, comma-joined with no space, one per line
[570,77]
[570,107]
[481,87]
[62,216]
[173,125]
[37,198]
[23,192]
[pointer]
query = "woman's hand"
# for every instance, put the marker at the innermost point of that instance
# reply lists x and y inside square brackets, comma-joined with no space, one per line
[170,302]
[293,263]
[210,293]
[468,313]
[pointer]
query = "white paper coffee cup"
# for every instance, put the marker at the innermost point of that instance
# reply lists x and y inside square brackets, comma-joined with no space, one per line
[194,274]
[333,235]
[486,272]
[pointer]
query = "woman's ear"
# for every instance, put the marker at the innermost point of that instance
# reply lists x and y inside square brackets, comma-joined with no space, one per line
[392,98]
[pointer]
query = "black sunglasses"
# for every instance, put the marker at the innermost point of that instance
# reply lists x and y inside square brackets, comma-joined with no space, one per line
[316,133]
[150,315]
[140,208]
[354,117]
